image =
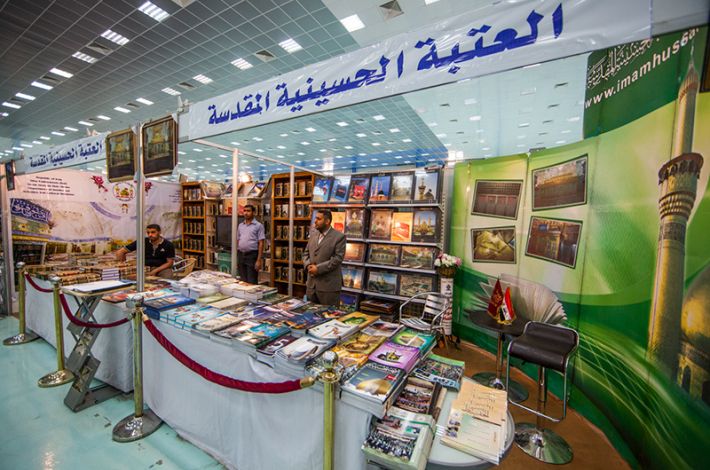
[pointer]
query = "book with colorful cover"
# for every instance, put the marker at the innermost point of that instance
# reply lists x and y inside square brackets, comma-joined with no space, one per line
[260,335]
[221,321]
[359,186]
[228,334]
[209,299]
[338,221]
[402,227]
[309,307]
[189,320]
[300,323]
[348,364]
[274,298]
[362,320]
[321,188]
[333,329]
[396,355]
[229,303]
[266,352]
[374,382]
[383,328]
[169,315]
[332,312]
[362,343]
[167,302]
[419,396]
[304,349]
[339,191]
[400,440]
[289,304]
[419,339]
[442,370]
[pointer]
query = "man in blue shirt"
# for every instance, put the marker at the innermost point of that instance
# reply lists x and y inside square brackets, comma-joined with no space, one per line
[250,247]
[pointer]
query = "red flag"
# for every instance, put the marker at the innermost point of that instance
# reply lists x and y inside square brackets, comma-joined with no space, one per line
[496,300]
[507,313]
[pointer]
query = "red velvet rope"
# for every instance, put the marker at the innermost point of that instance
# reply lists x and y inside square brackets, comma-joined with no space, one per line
[83,324]
[35,285]
[219,379]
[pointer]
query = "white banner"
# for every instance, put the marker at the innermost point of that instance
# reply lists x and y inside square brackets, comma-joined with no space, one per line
[483,41]
[84,150]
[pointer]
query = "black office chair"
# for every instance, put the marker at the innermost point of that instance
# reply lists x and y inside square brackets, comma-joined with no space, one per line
[550,347]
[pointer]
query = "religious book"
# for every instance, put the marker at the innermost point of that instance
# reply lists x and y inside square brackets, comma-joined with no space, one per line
[289,304]
[426,186]
[338,221]
[354,252]
[227,335]
[383,329]
[189,320]
[221,321]
[396,355]
[333,329]
[442,370]
[266,352]
[419,396]
[349,301]
[274,298]
[402,186]
[414,284]
[358,189]
[348,364]
[258,336]
[339,192]
[401,227]
[355,223]
[417,257]
[380,186]
[418,339]
[229,303]
[321,188]
[425,225]
[362,343]
[169,315]
[362,320]
[210,299]
[400,440]
[373,387]
[153,307]
[380,224]
[302,322]
[352,276]
[293,359]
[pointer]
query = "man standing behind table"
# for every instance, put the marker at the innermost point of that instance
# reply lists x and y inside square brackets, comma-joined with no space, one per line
[322,259]
[250,247]
[159,253]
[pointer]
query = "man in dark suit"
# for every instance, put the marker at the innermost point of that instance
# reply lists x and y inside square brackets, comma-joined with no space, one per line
[321,259]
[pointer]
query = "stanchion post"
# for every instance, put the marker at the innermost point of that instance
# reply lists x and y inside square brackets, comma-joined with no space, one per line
[61,375]
[142,422]
[329,377]
[23,336]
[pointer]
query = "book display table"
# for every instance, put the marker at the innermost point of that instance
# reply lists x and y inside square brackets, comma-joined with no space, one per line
[444,457]
[113,347]
[244,430]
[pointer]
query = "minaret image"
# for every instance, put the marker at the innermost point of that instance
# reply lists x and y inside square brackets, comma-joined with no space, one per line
[678,180]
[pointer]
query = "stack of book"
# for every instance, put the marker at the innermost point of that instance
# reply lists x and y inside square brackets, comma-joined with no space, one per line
[396,355]
[373,387]
[217,323]
[424,342]
[267,352]
[202,290]
[383,329]
[379,307]
[274,298]
[477,421]
[258,336]
[229,303]
[210,299]
[333,330]
[227,335]
[421,396]
[400,440]
[442,370]
[169,315]
[293,359]
[153,307]
[189,320]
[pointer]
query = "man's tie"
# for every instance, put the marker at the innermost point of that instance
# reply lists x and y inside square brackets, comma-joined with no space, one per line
[320,237]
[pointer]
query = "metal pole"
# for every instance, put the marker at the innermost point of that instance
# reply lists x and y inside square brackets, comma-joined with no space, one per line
[330,376]
[61,375]
[291,209]
[23,336]
[142,422]
[140,217]
[6,224]
[235,214]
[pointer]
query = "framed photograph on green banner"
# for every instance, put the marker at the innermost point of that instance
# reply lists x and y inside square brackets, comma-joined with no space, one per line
[493,245]
[121,155]
[560,185]
[159,147]
[497,198]
[554,240]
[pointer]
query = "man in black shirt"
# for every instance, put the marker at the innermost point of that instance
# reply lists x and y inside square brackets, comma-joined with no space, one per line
[159,253]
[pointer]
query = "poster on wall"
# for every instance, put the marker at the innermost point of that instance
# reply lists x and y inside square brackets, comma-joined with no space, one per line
[493,244]
[497,198]
[121,155]
[159,147]
[554,240]
[561,185]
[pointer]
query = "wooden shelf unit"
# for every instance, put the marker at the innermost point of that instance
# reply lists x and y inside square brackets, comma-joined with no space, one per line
[281,218]
[198,224]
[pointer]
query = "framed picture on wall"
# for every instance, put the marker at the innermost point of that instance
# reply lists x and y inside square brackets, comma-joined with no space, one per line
[380,186]
[493,244]
[321,188]
[417,257]
[383,282]
[497,198]
[560,185]
[354,252]
[121,149]
[355,223]
[380,224]
[426,186]
[413,284]
[383,254]
[555,240]
[352,277]
[159,147]
[402,186]
[358,189]
[425,225]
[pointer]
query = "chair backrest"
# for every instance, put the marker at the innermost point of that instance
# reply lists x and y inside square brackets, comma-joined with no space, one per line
[434,305]
[545,344]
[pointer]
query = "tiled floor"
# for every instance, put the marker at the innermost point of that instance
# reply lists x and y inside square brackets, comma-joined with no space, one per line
[37,431]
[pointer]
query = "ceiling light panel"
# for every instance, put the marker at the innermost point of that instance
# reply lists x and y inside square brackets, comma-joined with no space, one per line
[115,37]
[352,23]
[242,64]
[290,46]
[61,73]
[170,91]
[11,105]
[24,96]
[103,118]
[84,57]
[41,85]
[154,11]
[144,101]
[203,79]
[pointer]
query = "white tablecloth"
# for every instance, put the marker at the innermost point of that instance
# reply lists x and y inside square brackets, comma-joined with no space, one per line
[113,346]
[244,430]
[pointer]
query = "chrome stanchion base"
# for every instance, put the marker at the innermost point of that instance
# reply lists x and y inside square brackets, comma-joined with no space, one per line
[132,428]
[21,338]
[542,444]
[517,393]
[56,378]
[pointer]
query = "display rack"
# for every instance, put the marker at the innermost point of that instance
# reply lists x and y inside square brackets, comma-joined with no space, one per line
[198,225]
[289,230]
[363,268]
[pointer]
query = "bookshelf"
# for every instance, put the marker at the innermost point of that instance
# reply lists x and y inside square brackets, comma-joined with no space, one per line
[290,226]
[198,225]
[396,251]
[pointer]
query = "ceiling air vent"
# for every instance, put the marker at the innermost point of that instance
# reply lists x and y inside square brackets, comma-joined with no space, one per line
[547,121]
[132,105]
[100,48]
[187,86]
[265,56]
[390,10]
[50,80]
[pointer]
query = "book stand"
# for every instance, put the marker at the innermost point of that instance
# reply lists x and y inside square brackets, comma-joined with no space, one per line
[81,362]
